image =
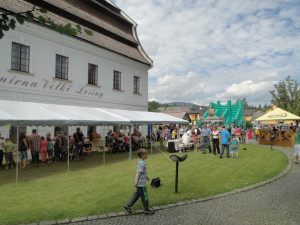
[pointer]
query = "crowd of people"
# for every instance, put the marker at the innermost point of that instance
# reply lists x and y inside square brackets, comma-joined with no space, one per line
[119,142]
[39,149]
[200,138]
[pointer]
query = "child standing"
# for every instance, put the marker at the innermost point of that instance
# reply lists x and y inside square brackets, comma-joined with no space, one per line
[9,148]
[140,184]
[234,144]
[44,145]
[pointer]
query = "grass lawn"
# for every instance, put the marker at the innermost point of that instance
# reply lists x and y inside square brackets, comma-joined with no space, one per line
[90,188]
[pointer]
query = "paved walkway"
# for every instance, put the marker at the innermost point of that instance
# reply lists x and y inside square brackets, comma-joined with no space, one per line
[276,201]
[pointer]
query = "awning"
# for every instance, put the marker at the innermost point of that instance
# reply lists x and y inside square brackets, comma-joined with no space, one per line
[40,114]
[278,115]
[142,117]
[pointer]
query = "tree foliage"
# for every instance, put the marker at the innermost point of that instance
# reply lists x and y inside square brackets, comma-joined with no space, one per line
[287,95]
[8,22]
[249,124]
[153,106]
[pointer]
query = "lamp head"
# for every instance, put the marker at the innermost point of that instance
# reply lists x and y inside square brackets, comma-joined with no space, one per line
[176,158]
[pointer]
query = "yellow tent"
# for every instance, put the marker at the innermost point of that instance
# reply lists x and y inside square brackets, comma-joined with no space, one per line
[278,115]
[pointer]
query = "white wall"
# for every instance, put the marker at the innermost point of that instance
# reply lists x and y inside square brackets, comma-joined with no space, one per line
[44,45]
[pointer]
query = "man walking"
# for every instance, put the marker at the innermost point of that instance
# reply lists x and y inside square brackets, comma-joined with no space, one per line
[206,133]
[224,139]
[35,146]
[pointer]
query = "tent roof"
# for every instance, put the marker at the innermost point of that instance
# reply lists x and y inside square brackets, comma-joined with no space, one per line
[142,117]
[278,115]
[40,114]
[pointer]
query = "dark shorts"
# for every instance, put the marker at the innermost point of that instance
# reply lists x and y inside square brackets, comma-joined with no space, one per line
[50,152]
[8,156]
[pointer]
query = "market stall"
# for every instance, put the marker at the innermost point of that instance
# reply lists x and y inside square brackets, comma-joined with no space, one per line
[280,137]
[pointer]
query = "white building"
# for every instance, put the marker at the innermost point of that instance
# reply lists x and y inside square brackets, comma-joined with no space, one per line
[108,69]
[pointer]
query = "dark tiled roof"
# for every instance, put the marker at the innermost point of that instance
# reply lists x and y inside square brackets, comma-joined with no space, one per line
[249,112]
[181,115]
[112,29]
[174,109]
[188,109]
[257,115]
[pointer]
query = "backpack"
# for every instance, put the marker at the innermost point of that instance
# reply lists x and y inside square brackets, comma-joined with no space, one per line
[155,182]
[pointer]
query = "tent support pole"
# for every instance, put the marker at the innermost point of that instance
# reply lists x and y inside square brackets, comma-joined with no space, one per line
[68,146]
[17,163]
[151,137]
[130,144]
[103,147]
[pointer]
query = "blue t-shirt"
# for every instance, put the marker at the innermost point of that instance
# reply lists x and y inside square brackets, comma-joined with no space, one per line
[141,167]
[234,144]
[225,135]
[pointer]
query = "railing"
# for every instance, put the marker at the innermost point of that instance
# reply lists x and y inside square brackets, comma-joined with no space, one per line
[280,138]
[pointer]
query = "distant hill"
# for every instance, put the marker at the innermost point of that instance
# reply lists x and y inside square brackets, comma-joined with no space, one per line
[186,104]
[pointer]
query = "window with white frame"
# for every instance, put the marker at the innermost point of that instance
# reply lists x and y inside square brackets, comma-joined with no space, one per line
[117,80]
[93,74]
[20,57]
[61,67]
[136,84]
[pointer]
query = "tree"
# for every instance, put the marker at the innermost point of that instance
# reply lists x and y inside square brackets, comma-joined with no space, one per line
[287,95]
[266,107]
[246,106]
[249,125]
[8,22]
[153,106]
[259,106]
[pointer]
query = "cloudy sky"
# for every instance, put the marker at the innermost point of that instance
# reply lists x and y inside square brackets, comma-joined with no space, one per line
[209,50]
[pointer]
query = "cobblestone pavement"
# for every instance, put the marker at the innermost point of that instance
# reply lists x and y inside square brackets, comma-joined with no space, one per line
[276,202]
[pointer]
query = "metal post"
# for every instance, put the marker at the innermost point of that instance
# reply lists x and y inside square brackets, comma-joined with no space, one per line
[103,152]
[17,166]
[68,146]
[176,178]
[130,144]
[151,138]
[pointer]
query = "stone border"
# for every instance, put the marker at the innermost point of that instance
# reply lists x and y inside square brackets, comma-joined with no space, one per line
[156,208]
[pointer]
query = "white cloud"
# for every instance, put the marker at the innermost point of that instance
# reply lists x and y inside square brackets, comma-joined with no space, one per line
[203,50]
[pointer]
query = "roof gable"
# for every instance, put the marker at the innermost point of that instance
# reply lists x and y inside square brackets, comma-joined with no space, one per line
[112,29]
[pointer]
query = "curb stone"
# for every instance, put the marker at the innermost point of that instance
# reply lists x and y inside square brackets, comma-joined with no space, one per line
[112,214]
[138,211]
[92,218]
[104,216]
[121,213]
[63,221]
[156,208]
[47,223]
[191,201]
[79,219]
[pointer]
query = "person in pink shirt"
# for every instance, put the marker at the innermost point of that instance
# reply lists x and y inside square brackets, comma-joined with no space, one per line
[44,146]
[238,133]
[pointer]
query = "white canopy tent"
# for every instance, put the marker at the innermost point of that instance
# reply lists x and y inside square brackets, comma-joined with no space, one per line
[39,114]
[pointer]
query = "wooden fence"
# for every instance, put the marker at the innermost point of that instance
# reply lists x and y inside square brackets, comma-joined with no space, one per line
[280,138]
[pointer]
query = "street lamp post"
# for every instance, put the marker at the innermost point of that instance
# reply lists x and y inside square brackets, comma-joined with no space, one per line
[177,159]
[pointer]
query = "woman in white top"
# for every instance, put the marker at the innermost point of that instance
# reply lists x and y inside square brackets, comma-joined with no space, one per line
[185,139]
[215,140]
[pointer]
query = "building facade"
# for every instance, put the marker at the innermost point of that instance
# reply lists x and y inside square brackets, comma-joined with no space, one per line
[108,69]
